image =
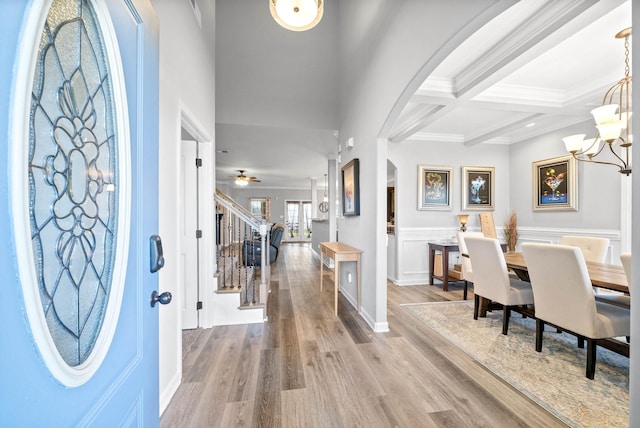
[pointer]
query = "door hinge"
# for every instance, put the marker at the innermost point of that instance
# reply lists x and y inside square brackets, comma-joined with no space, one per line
[198,234]
[198,306]
[198,162]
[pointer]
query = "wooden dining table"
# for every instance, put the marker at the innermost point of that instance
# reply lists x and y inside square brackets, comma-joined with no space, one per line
[602,275]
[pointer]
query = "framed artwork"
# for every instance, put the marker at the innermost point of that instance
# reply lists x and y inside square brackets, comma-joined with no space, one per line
[478,188]
[434,187]
[555,184]
[351,188]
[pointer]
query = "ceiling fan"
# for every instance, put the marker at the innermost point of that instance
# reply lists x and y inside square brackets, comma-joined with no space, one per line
[243,180]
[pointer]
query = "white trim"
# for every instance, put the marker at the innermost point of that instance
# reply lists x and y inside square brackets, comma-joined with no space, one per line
[167,393]
[626,211]
[187,120]
[414,270]
[377,327]
[19,132]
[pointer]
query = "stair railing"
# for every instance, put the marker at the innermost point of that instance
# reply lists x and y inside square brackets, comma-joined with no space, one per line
[234,226]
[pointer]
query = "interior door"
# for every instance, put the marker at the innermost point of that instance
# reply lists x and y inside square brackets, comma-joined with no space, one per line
[78,209]
[189,243]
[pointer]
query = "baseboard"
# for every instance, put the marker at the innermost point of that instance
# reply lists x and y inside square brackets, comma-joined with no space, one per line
[414,281]
[167,394]
[377,327]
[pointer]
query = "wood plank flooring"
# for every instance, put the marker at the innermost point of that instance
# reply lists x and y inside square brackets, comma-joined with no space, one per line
[307,368]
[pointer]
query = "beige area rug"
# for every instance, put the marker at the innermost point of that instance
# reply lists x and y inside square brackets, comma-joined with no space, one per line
[553,378]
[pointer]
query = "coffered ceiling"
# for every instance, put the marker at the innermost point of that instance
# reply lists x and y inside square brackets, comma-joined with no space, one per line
[542,62]
[538,67]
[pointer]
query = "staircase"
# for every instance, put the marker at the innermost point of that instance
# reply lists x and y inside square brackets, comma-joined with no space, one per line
[242,291]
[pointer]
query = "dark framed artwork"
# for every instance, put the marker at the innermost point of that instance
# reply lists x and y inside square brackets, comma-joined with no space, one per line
[351,188]
[478,188]
[434,187]
[555,184]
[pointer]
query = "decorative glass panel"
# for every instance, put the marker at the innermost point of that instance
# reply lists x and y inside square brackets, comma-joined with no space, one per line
[73,180]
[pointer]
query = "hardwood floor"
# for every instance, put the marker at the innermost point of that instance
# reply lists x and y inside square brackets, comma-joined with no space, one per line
[307,368]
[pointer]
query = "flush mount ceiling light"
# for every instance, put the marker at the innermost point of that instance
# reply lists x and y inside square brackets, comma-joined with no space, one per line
[297,15]
[612,118]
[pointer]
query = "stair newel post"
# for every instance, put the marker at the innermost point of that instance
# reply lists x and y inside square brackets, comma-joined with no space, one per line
[238,243]
[218,238]
[232,248]
[265,258]
[245,255]
[225,246]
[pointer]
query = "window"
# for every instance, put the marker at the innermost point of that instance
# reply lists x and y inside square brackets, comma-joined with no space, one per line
[261,208]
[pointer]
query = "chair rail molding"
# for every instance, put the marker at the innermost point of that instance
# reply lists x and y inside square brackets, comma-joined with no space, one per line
[412,247]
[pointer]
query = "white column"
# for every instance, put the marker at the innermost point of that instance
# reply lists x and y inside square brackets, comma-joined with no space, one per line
[314,198]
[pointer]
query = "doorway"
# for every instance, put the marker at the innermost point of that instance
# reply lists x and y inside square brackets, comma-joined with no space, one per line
[189,227]
[299,215]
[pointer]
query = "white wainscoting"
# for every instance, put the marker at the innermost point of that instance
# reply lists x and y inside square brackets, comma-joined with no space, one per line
[553,236]
[412,258]
[412,247]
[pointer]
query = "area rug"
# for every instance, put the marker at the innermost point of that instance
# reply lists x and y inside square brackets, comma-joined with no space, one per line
[553,378]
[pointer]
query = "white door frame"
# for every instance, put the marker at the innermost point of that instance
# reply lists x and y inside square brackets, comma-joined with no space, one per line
[207,213]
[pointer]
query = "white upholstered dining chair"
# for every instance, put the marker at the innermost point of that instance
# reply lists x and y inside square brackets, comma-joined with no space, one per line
[614,297]
[491,279]
[467,271]
[594,248]
[625,258]
[564,297]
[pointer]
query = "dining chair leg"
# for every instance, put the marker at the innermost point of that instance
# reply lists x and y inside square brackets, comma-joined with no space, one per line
[476,306]
[506,313]
[539,332]
[591,358]
[464,290]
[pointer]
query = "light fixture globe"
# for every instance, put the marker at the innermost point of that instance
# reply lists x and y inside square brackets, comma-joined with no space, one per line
[297,15]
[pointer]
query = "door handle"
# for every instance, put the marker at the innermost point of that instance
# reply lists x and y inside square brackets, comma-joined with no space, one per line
[156,255]
[162,298]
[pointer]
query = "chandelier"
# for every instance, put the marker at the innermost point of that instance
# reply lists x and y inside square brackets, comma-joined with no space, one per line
[612,118]
[297,15]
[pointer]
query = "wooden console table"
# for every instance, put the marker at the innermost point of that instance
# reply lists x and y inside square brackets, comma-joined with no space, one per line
[444,248]
[340,252]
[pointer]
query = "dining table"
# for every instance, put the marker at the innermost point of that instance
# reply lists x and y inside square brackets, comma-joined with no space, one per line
[603,275]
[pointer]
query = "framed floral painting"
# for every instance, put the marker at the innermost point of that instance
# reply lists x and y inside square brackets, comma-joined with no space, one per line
[434,187]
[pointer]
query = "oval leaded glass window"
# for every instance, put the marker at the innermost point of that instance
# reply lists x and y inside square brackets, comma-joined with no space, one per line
[75,184]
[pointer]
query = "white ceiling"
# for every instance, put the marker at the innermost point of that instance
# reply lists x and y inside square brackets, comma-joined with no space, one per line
[543,62]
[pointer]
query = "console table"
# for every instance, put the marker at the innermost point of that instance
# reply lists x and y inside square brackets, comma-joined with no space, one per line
[340,252]
[444,248]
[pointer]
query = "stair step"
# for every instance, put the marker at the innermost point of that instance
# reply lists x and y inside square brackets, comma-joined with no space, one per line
[236,279]
[229,290]
[252,306]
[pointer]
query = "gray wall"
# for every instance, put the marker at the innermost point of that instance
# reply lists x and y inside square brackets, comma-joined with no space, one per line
[278,198]
[408,155]
[598,185]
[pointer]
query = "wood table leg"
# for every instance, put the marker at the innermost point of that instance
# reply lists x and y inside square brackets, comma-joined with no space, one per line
[336,280]
[358,283]
[445,269]
[321,269]
[432,256]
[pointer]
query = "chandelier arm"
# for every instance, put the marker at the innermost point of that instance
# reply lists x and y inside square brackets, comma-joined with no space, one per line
[595,141]
[621,168]
[618,156]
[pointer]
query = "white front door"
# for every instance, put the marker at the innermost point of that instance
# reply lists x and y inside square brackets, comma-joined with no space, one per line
[79,213]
